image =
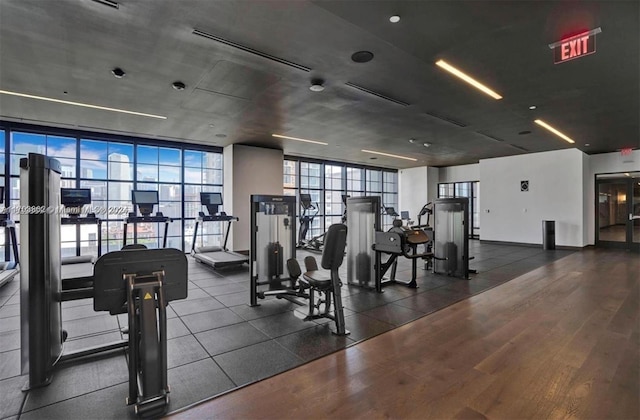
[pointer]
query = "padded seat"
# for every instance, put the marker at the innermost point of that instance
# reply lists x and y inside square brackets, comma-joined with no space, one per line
[320,279]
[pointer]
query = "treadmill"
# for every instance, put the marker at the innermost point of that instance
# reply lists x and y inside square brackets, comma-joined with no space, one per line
[77,271]
[215,256]
[8,269]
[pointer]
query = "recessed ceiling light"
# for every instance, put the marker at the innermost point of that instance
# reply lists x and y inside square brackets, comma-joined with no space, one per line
[316,85]
[299,139]
[388,154]
[554,131]
[587,144]
[177,85]
[532,107]
[60,101]
[426,144]
[362,56]
[118,73]
[412,140]
[473,82]
[394,19]
[211,125]
[627,174]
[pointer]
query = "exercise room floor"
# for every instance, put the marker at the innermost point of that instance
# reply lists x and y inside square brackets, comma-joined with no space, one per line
[217,342]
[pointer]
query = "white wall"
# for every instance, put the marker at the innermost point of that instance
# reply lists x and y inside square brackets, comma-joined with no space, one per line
[251,170]
[555,193]
[412,190]
[461,173]
[614,162]
[433,178]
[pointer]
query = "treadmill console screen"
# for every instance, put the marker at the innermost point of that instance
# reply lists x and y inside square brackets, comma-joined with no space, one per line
[75,197]
[404,215]
[207,198]
[145,200]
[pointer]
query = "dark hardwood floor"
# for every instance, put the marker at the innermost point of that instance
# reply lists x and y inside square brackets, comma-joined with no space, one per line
[562,341]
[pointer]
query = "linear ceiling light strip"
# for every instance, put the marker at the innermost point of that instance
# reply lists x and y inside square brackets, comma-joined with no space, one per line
[554,131]
[389,155]
[60,101]
[473,82]
[299,139]
[379,95]
[250,50]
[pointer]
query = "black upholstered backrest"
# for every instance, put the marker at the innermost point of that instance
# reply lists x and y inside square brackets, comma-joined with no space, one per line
[335,241]
[310,263]
[293,268]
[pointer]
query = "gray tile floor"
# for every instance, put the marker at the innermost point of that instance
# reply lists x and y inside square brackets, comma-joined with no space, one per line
[217,342]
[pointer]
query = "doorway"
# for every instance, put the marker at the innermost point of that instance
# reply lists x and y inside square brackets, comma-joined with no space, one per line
[618,210]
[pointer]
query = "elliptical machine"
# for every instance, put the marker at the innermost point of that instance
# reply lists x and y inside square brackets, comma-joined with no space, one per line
[306,220]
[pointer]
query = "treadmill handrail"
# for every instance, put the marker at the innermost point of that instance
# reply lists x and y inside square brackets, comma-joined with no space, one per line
[218,218]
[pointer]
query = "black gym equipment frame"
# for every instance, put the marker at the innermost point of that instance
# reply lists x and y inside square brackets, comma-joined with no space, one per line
[140,282]
[363,221]
[273,242]
[451,239]
[399,241]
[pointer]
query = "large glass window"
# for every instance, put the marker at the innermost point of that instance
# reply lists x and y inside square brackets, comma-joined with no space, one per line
[202,173]
[112,168]
[326,182]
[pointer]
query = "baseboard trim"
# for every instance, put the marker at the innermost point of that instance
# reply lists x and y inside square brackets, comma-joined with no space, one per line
[528,245]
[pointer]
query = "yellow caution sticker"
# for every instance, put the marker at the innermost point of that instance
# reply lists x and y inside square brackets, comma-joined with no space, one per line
[147,296]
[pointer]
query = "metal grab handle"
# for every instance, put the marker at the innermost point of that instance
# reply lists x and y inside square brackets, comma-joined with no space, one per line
[632,217]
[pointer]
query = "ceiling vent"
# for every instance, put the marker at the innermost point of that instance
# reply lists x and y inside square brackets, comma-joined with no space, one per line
[379,95]
[445,119]
[519,148]
[490,137]
[109,3]
[250,50]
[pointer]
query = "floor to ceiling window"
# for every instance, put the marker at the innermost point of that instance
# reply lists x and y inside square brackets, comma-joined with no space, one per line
[113,166]
[326,182]
[470,190]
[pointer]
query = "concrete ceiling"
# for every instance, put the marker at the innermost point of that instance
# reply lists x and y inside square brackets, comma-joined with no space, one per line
[253,79]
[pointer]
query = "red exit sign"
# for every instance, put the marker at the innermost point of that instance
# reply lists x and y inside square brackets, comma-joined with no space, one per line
[575,47]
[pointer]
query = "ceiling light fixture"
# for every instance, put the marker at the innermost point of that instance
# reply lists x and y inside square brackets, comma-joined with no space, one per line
[104,108]
[178,85]
[412,140]
[118,73]
[554,131]
[389,155]
[362,56]
[446,66]
[394,19]
[299,139]
[426,144]
[316,85]
[532,107]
